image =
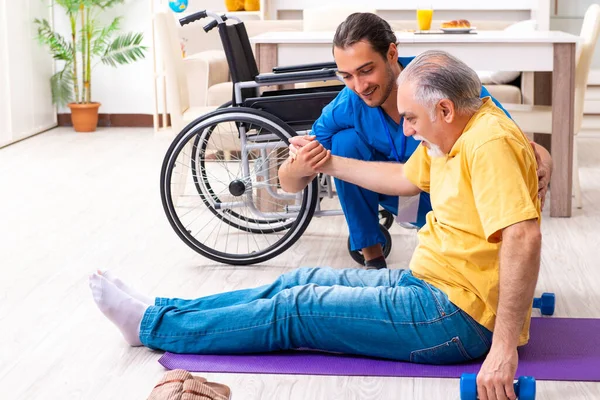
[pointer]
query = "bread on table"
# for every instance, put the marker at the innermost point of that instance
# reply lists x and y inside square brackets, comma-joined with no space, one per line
[461,23]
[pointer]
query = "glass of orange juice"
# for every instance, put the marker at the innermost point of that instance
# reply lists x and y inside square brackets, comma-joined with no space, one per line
[424,17]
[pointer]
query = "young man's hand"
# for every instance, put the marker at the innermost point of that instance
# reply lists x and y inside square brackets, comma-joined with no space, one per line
[308,155]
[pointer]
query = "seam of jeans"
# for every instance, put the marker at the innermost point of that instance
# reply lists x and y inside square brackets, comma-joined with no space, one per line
[147,319]
[437,302]
[213,332]
[455,339]
[462,348]
[160,301]
[475,325]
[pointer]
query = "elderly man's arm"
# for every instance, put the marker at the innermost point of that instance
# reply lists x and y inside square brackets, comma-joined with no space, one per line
[338,115]
[292,178]
[519,268]
[306,155]
[381,177]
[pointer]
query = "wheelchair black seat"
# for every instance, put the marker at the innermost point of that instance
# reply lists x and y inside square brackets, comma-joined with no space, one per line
[299,108]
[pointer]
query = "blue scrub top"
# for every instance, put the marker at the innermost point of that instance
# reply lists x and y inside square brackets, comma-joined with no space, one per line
[348,110]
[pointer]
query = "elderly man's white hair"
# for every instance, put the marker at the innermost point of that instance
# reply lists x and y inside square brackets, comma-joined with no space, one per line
[438,75]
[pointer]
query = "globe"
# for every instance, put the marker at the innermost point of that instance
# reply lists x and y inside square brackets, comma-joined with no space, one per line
[178,5]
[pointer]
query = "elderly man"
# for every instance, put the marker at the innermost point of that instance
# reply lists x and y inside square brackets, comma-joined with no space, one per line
[362,122]
[473,273]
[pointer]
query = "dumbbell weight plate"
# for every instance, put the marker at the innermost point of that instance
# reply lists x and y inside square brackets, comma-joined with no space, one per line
[468,387]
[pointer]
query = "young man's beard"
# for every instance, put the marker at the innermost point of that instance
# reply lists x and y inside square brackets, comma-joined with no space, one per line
[388,87]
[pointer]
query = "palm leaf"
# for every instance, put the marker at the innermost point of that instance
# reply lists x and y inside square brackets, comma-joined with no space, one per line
[59,47]
[101,37]
[71,6]
[126,48]
[109,3]
[103,4]
[61,84]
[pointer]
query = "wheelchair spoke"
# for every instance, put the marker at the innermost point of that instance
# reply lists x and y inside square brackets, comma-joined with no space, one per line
[222,146]
[212,180]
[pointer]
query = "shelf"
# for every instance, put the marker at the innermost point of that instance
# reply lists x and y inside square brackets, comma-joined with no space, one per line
[241,13]
[565,17]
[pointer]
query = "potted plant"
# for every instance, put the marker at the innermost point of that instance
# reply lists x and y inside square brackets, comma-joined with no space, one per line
[90,43]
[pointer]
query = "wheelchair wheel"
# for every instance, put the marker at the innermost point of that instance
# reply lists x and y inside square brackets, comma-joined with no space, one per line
[387,247]
[200,151]
[233,210]
[386,218]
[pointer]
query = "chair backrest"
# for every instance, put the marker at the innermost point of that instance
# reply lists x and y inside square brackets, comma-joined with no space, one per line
[589,38]
[172,56]
[328,18]
[240,57]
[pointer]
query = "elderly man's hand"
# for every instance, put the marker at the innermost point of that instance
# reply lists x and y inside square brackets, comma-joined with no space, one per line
[497,373]
[308,154]
[544,173]
[297,142]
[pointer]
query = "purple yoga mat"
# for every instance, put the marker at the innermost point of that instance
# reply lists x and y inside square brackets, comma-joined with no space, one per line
[562,349]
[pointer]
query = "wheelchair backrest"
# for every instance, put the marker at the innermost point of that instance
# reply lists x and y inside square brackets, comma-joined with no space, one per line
[238,52]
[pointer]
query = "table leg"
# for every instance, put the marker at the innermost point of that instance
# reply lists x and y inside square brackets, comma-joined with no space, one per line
[542,96]
[563,116]
[266,60]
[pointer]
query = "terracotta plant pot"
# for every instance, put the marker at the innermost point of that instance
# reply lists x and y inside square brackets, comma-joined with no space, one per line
[84,116]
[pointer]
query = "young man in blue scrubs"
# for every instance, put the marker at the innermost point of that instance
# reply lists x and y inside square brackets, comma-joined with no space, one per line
[363,123]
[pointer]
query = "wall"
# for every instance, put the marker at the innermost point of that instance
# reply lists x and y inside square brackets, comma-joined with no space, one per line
[125,89]
[568,17]
[5,134]
[128,89]
[25,100]
[405,10]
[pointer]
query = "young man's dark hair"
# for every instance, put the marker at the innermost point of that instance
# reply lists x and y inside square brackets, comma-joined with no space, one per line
[368,27]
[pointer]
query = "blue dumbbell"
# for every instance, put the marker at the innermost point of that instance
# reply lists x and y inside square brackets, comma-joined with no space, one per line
[524,387]
[545,303]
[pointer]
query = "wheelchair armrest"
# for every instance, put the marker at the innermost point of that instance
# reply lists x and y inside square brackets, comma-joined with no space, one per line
[294,76]
[305,67]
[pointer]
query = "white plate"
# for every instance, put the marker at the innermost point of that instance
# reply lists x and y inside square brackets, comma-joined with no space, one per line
[458,30]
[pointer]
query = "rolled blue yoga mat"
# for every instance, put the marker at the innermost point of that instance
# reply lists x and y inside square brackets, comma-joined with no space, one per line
[561,349]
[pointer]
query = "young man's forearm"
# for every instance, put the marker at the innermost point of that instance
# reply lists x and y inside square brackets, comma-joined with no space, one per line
[289,178]
[519,268]
[381,177]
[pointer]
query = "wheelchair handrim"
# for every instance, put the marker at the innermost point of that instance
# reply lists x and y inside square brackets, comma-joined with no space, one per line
[233,115]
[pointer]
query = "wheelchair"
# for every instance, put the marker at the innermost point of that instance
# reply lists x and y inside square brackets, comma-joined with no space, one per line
[218,182]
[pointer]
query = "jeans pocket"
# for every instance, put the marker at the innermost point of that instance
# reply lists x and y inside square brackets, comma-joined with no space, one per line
[450,352]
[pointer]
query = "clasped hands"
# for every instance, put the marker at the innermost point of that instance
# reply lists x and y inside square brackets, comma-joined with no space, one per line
[308,154]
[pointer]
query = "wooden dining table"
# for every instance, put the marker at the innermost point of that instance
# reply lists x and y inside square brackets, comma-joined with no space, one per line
[537,51]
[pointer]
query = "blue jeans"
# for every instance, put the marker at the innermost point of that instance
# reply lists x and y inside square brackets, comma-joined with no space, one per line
[379,313]
[361,206]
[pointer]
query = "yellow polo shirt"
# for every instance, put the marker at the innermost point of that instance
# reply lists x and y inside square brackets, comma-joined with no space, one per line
[486,183]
